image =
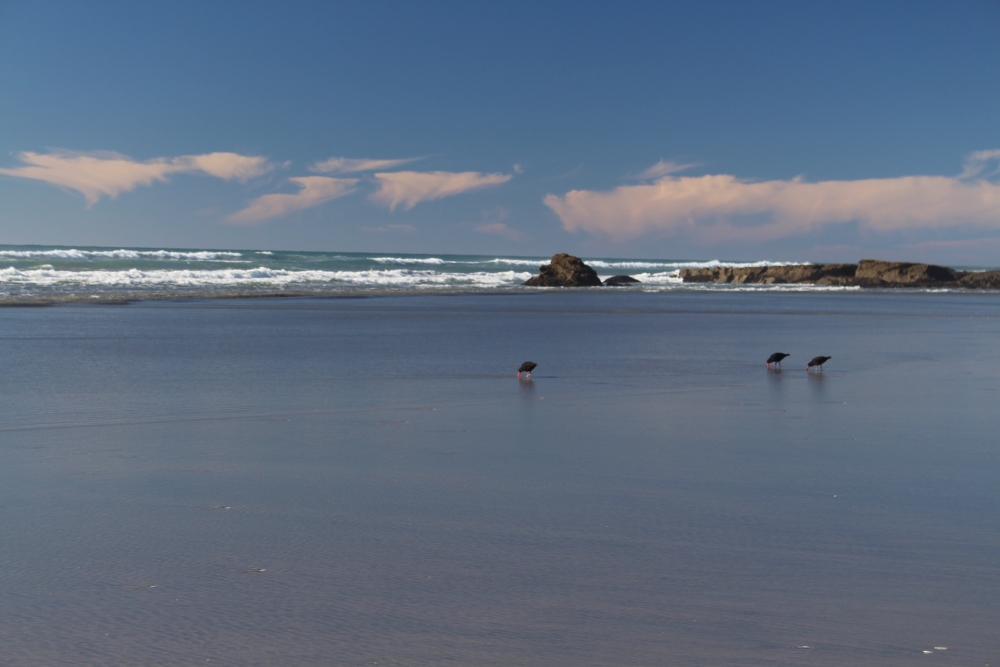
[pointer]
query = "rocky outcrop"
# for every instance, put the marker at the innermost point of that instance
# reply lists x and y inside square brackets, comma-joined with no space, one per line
[980,279]
[771,275]
[866,273]
[565,271]
[569,271]
[620,281]
[876,273]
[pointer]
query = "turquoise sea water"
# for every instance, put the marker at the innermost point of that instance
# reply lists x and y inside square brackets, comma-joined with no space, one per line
[364,481]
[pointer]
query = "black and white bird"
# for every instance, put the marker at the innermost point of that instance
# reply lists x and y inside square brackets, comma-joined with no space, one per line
[776,359]
[818,361]
[526,367]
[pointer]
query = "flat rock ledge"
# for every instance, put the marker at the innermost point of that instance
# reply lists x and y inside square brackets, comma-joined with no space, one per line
[866,273]
[565,271]
[620,281]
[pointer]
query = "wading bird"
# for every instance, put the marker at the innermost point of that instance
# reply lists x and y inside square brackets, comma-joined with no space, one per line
[776,359]
[818,361]
[526,367]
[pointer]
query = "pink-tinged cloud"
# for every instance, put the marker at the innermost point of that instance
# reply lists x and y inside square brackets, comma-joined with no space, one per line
[227,166]
[345,165]
[387,229]
[313,191]
[723,207]
[109,174]
[409,188]
[500,229]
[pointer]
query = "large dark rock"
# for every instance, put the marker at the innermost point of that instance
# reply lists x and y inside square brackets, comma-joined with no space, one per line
[620,281]
[565,271]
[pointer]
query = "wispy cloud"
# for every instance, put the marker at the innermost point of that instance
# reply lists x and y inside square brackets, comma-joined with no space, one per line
[662,168]
[500,229]
[976,162]
[409,188]
[313,191]
[388,229]
[109,174]
[345,165]
[493,224]
[227,166]
[724,207]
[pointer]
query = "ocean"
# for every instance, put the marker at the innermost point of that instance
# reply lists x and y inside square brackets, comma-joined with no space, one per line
[49,273]
[364,481]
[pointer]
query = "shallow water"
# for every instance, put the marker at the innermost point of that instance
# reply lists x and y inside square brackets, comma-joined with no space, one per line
[360,481]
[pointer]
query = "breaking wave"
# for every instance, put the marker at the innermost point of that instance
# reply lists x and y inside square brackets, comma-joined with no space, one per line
[65,273]
[261,276]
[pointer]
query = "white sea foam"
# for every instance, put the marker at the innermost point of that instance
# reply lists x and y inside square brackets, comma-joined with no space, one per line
[437,261]
[642,264]
[672,279]
[411,260]
[73,253]
[711,264]
[260,276]
[515,262]
[783,287]
[661,278]
[601,264]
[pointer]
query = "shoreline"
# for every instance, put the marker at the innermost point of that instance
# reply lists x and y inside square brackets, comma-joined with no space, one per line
[699,286]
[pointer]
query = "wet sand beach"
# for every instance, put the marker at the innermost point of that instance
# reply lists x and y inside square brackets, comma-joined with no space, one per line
[365,481]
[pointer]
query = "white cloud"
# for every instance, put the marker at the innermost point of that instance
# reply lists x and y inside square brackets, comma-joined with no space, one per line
[723,207]
[345,165]
[109,174]
[412,187]
[314,190]
[662,168]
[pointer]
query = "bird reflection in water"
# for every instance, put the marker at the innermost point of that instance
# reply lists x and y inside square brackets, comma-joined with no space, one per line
[527,393]
[817,385]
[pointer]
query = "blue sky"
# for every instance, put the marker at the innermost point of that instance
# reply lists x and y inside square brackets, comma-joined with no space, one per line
[733,130]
